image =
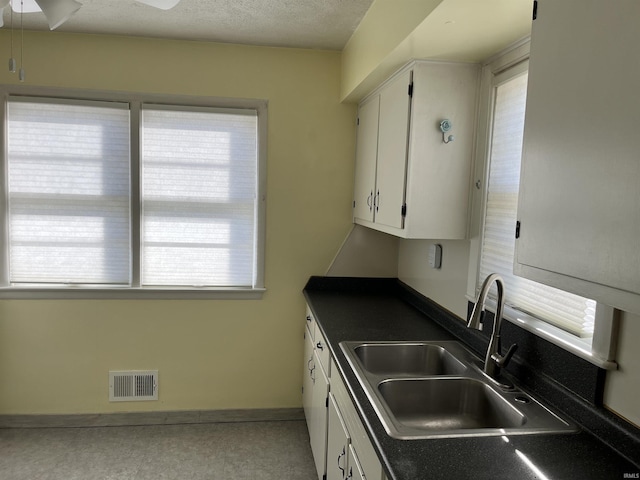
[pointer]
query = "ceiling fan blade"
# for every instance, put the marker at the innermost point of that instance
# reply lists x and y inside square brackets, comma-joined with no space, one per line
[58,11]
[27,6]
[161,4]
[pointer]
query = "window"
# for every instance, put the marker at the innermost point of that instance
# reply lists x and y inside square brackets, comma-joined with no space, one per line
[575,323]
[198,197]
[68,192]
[123,195]
[567,311]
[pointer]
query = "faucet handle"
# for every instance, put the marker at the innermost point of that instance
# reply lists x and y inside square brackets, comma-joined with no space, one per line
[502,360]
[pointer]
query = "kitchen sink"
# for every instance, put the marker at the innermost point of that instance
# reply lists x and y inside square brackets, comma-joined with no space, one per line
[448,404]
[408,359]
[423,390]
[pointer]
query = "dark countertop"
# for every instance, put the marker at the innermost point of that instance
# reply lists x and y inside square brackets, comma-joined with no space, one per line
[376,312]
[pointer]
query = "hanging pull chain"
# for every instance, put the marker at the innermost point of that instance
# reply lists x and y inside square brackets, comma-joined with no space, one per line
[21,72]
[12,61]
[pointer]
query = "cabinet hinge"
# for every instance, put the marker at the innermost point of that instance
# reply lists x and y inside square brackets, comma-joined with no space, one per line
[411,89]
[358,121]
[326,402]
[403,210]
[518,229]
[535,9]
[354,204]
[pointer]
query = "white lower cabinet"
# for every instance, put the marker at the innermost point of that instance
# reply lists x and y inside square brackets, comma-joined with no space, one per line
[362,460]
[308,373]
[340,445]
[315,391]
[355,470]
[318,430]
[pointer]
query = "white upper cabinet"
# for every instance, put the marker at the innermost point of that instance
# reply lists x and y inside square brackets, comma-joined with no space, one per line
[366,158]
[391,172]
[579,201]
[409,182]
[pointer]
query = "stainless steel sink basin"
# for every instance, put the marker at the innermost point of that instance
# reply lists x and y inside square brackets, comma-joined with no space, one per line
[425,390]
[448,404]
[408,359]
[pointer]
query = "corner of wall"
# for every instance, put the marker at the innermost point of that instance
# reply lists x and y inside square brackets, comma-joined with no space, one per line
[366,253]
[385,26]
[447,285]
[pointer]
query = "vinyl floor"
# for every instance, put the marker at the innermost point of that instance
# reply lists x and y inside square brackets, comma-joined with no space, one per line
[219,451]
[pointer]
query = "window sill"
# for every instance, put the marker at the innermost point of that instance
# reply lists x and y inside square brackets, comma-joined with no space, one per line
[577,346]
[125,293]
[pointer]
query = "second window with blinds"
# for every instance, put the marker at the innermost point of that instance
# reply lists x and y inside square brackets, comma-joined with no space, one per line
[562,317]
[113,194]
[198,192]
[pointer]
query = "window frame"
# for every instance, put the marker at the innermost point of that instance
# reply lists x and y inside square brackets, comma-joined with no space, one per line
[135,290]
[601,350]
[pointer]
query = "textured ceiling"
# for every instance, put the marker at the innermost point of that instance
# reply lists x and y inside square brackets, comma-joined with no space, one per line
[320,24]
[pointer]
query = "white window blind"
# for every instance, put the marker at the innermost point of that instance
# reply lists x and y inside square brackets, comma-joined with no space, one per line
[199,197]
[570,312]
[68,191]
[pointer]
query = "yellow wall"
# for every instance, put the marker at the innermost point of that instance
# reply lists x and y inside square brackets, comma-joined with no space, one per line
[451,30]
[382,29]
[55,354]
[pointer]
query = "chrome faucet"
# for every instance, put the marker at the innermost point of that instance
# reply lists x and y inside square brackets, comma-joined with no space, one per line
[493,360]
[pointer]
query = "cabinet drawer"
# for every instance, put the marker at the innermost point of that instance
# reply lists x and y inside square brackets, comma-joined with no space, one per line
[310,321]
[320,345]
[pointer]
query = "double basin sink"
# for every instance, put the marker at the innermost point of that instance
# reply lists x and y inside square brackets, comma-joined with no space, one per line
[423,390]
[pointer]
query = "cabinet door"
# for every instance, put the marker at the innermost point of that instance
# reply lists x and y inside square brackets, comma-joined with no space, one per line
[318,424]
[366,158]
[393,135]
[367,456]
[337,443]
[308,375]
[438,174]
[355,470]
[579,198]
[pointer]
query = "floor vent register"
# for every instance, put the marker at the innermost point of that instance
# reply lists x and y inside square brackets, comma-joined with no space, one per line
[133,385]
